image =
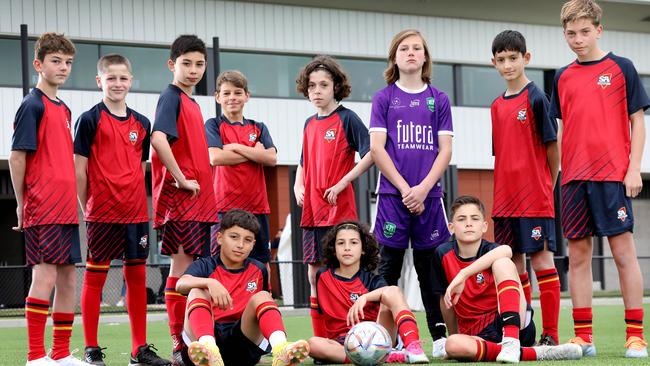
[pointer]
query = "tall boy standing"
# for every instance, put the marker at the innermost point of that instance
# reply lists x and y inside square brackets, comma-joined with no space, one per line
[43,177]
[600,99]
[111,152]
[183,200]
[523,203]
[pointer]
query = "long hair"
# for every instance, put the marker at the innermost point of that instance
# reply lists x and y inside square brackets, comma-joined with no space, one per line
[369,246]
[391,74]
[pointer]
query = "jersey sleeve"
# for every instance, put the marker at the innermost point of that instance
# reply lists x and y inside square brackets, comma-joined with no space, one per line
[555,110]
[378,113]
[302,147]
[439,277]
[265,136]
[445,125]
[356,133]
[213,133]
[377,281]
[637,98]
[167,112]
[28,117]
[84,133]
[202,267]
[546,125]
[146,141]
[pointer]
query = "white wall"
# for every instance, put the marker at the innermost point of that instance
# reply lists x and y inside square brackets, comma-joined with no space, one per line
[247,25]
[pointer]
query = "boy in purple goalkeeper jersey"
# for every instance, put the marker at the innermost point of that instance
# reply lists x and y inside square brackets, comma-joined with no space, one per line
[410,141]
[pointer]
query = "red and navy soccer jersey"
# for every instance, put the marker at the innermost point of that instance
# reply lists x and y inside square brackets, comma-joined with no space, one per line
[478,305]
[328,147]
[115,148]
[521,127]
[336,295]
[242,185]
[594,100]
[42,130]
[179,117]
[241,283]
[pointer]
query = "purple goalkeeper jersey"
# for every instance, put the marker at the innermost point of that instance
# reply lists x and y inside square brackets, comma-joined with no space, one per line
[412,121]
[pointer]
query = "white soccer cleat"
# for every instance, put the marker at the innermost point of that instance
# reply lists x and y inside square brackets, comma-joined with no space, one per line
[439,348]
[43,361]
[71,361]
[567,351]
[510,350]
[636,348]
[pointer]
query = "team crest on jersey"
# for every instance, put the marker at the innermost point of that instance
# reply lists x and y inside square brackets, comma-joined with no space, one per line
[144,241]
[133,137]
[396,101]
[480,279]
[354,297]
[434,234]
[252,137]
[431,104]
[521,116]
[251,286]
[536,233]
[415,103]
[389,229]
[621,214]
[330,135]
[605,80]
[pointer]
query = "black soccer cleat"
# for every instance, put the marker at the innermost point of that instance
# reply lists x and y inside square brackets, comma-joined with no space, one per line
[147,356]
[94,356]
[546,340]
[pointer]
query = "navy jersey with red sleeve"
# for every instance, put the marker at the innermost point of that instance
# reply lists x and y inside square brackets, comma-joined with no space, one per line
[336,295]
[328,147]
[179,117]
[521,128]
[42,129]
[478,305]
[115,147]
[241,283]
[594,100]
[242,185]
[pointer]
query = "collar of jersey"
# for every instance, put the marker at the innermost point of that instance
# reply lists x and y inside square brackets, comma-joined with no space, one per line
[345,279]
[470,259]
[411,91]
[180,91]
[39,92]
[239,270]
[329,115]
[103,107]
[512,96]
[594,62]
[244,121]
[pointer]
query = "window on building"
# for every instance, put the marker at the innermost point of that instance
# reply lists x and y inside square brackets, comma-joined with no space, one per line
[443,79]
[480,85]
[149,66]
[366,77]
[10,74]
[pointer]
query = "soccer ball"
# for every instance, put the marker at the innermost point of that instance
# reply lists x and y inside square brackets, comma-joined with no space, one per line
[367,344]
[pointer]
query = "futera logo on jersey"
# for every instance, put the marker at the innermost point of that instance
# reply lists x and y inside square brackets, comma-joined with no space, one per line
[414,136]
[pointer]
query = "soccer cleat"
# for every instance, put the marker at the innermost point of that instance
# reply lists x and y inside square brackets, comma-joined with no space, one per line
[636,348]
[290,353]
[71,361]
[510,350]
[204,354]
[439,348]
[396,357]
[147,356]
[414,353]
[43,361]
[567,351]
[588,349]
[180,358]
[94,356]
[546,340]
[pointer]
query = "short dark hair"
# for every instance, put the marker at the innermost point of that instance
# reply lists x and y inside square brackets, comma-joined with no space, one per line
[466,200]
[369,246]
[241,218]
[342,87]
[509,40]
[187,43]
[112,59]
[52,42]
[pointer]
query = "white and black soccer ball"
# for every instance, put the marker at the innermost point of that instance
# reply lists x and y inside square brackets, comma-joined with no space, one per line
[367,344]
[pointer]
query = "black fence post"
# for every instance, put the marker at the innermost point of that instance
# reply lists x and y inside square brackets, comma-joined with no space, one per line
[216,62]
[300,281]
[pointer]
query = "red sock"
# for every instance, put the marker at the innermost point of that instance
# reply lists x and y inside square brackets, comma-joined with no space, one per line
[62,330]
[175,304]
[528,354]
[36,315]
[407,327]
[136,301]
[269,318]
[317,322]
[582,324]
[91,298]
[549,297]
[199,314]
[509,299]
[525,285]
[486,350]
[634,323]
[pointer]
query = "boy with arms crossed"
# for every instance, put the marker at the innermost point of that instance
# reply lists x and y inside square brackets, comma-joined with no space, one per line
[599,99]
[183,200]
[523,203]
[42,173]
[111,152]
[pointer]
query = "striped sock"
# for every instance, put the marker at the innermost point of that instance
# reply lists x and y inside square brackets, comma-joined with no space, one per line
[549,297]
[199,315]
[91,298]
[582,327]
[62,331]
[509,299]
[525,285]
[269,319]
[407,327]
[136,301]
[634,323]
[317,321]
[175,303]
[36,311]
